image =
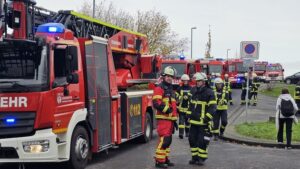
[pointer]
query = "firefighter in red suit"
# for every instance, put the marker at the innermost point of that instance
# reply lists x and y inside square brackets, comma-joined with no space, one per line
[165,104]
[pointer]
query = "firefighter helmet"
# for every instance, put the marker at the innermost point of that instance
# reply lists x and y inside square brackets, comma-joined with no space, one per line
[246,74]
[218,80]
[226,75]
[200,76]
[185,77]
[218,74]
[169,70]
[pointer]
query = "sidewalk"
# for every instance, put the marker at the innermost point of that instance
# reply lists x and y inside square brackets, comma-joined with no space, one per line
[259,113]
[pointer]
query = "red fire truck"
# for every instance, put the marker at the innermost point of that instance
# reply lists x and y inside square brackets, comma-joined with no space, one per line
[182,67]
[212,66]
[236,72]
[65,86]
[274,72]
[260,70]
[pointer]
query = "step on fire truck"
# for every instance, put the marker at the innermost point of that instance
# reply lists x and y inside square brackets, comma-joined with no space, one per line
[64,85]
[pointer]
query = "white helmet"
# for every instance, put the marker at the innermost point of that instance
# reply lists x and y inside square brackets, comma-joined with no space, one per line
[185,77]
[218,74]
[169,70]
[200,76]
[226,75]
[254,75]
[246,74]
[218,80]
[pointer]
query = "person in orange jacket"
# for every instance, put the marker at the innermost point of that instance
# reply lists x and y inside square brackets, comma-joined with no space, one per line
[165,103]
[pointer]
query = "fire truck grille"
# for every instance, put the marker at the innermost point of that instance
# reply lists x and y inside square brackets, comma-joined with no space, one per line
[16,124]
[273,75]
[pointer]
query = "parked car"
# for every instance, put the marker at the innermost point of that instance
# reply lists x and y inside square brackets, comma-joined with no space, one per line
[293,79]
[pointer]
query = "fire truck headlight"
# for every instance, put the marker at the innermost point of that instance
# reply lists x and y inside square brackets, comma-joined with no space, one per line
[36,146]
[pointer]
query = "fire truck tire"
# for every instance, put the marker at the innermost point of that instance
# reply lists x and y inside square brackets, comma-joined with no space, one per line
[148,129]
[80,148]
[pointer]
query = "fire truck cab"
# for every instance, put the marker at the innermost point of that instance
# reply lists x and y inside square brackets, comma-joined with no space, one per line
[260,68]
[274,72]
[236,72]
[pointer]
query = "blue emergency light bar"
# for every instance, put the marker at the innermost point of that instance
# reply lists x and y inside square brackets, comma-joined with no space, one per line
[51,28]
[10,121]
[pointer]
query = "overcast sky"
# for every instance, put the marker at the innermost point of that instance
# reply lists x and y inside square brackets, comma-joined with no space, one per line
[274,23]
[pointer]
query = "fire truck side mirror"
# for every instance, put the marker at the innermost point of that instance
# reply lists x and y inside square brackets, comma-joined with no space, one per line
[138,44]
[72,58]
[73,78]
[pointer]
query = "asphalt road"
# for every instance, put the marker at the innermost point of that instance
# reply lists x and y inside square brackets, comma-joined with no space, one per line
[222,155]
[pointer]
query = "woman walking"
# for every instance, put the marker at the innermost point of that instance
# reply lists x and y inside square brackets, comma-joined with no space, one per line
[286,106]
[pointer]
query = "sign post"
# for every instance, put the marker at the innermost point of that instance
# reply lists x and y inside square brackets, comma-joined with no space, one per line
[249,53]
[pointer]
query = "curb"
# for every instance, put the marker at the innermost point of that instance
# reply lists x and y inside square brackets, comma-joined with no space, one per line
[252,143]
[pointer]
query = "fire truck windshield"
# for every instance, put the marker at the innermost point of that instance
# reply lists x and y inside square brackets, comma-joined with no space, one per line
[215,69]
[260,67]
[274,68]
[23,67]
[180,67]
[240,68]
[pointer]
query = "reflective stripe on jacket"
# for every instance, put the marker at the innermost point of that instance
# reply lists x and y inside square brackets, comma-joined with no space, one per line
[164,102]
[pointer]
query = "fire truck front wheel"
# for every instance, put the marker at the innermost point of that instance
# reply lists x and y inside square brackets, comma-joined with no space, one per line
[148,129]
[80,148]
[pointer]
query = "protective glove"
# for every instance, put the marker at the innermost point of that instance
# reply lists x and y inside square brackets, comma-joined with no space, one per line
[206,120]
[170,110]
[175,125]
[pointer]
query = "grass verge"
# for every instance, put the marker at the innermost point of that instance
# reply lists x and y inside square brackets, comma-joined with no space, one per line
[265,130]
[276,90]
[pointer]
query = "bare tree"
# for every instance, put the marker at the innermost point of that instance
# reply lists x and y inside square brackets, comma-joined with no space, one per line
[152,23]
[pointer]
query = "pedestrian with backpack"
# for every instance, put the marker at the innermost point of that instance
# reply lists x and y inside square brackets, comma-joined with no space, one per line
[286,106]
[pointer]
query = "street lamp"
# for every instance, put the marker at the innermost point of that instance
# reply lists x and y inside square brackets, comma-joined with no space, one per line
[227,59]
[94,8]
[192,41]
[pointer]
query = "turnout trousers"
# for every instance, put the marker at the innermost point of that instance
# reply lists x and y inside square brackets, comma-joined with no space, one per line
[198,144]
[164,129]
[219,115]
[254,94]
[184,125]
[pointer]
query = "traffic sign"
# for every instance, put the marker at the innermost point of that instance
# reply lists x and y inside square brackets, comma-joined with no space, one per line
[248,62]
[250,49]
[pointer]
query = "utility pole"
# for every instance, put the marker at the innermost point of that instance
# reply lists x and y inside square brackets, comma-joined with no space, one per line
[94,8]
[208,45]
[192,41]
[227,58]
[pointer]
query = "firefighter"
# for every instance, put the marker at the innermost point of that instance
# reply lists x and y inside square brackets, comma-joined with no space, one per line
[297,96]
[183,94]
[202,107]
[221,95]
[227,86]
[218,75]
[244,89]
[254,89]
[212,80]
[165,104]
